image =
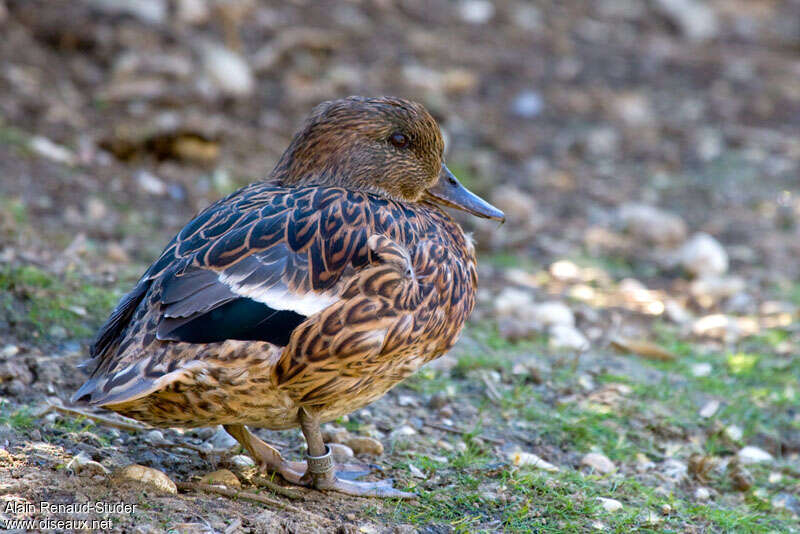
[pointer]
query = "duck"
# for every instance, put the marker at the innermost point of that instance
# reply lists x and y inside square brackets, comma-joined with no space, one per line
[302,297]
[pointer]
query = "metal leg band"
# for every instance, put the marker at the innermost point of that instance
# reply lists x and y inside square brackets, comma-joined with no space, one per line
[321,465]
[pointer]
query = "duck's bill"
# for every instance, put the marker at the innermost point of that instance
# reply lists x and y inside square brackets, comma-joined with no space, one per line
[449,192]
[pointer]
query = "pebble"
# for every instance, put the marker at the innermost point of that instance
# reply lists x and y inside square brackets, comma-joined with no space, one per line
[222,477]
[509,302]
[228,71]
[341,453]
[150,11]
[52,151]
[365,445]
[753,455]
[150,183]
[702,494]
[406,401]
[444,445]
[700,370]
[651,518]
[674,469]
[527,105]
[718,326]
[476,11]
[553,313]
[83,464]
[786,501]
[221,440]
[652,225]
[528,459]
[702,255]
[154,436]
[610,505]
[403,431]
[415,471]
[709,409]
[9,351]
[192,11]
[518,205]
[599,462]
[147,475]
[446,412]
[717,287]
[733,432]
[696,20]
[335,434]
[242,461]
[565,337]
[439,400]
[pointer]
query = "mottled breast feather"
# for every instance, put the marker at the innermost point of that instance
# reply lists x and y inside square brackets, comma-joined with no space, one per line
[327,272]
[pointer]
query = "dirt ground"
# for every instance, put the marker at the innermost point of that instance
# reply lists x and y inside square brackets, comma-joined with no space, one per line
[634,359]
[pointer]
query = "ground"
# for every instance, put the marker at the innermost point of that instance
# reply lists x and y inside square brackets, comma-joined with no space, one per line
[619,372]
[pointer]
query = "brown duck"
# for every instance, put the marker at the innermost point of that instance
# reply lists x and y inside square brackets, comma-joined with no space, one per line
[304,297]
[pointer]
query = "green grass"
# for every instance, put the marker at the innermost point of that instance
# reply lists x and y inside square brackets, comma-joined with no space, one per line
[478,491]
[19,419]
[32,299]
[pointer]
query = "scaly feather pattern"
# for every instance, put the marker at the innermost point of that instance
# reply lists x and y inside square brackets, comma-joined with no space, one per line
[360,289]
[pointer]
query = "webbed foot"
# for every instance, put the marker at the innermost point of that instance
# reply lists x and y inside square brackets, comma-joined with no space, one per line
[323,474]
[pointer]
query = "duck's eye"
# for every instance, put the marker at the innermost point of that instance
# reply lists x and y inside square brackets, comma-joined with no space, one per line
[399,140]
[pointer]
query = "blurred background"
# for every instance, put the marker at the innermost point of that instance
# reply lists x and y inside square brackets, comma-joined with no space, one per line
[646,153]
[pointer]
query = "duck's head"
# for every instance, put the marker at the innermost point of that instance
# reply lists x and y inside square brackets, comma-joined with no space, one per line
[387,146]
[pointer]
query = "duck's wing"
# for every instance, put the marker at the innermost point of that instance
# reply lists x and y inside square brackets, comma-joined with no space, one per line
[253,267]
[399,312]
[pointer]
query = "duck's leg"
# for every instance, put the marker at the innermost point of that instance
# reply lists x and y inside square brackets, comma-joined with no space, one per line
[322,469]
[266,456]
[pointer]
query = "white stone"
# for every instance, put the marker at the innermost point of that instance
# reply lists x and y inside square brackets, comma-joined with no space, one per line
[154,436]
[717,326]
[341,453]
[565,337]
[221,440]
[150,183]
[227,70]
[415,471]
[565,270]
[610,505]
[527,104]
[50,150]
[599,462]
[407,401]
[703,255]
[717,287]
[696,20]
[733,432]
[82,463]
[702,494]
[403,432]
[701,369]
[709,409]
[553,313]
[528,459]
[753,455]
[150,11]
[652,224]
[242,461]
[192,11]
[510,301]
[476,11]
